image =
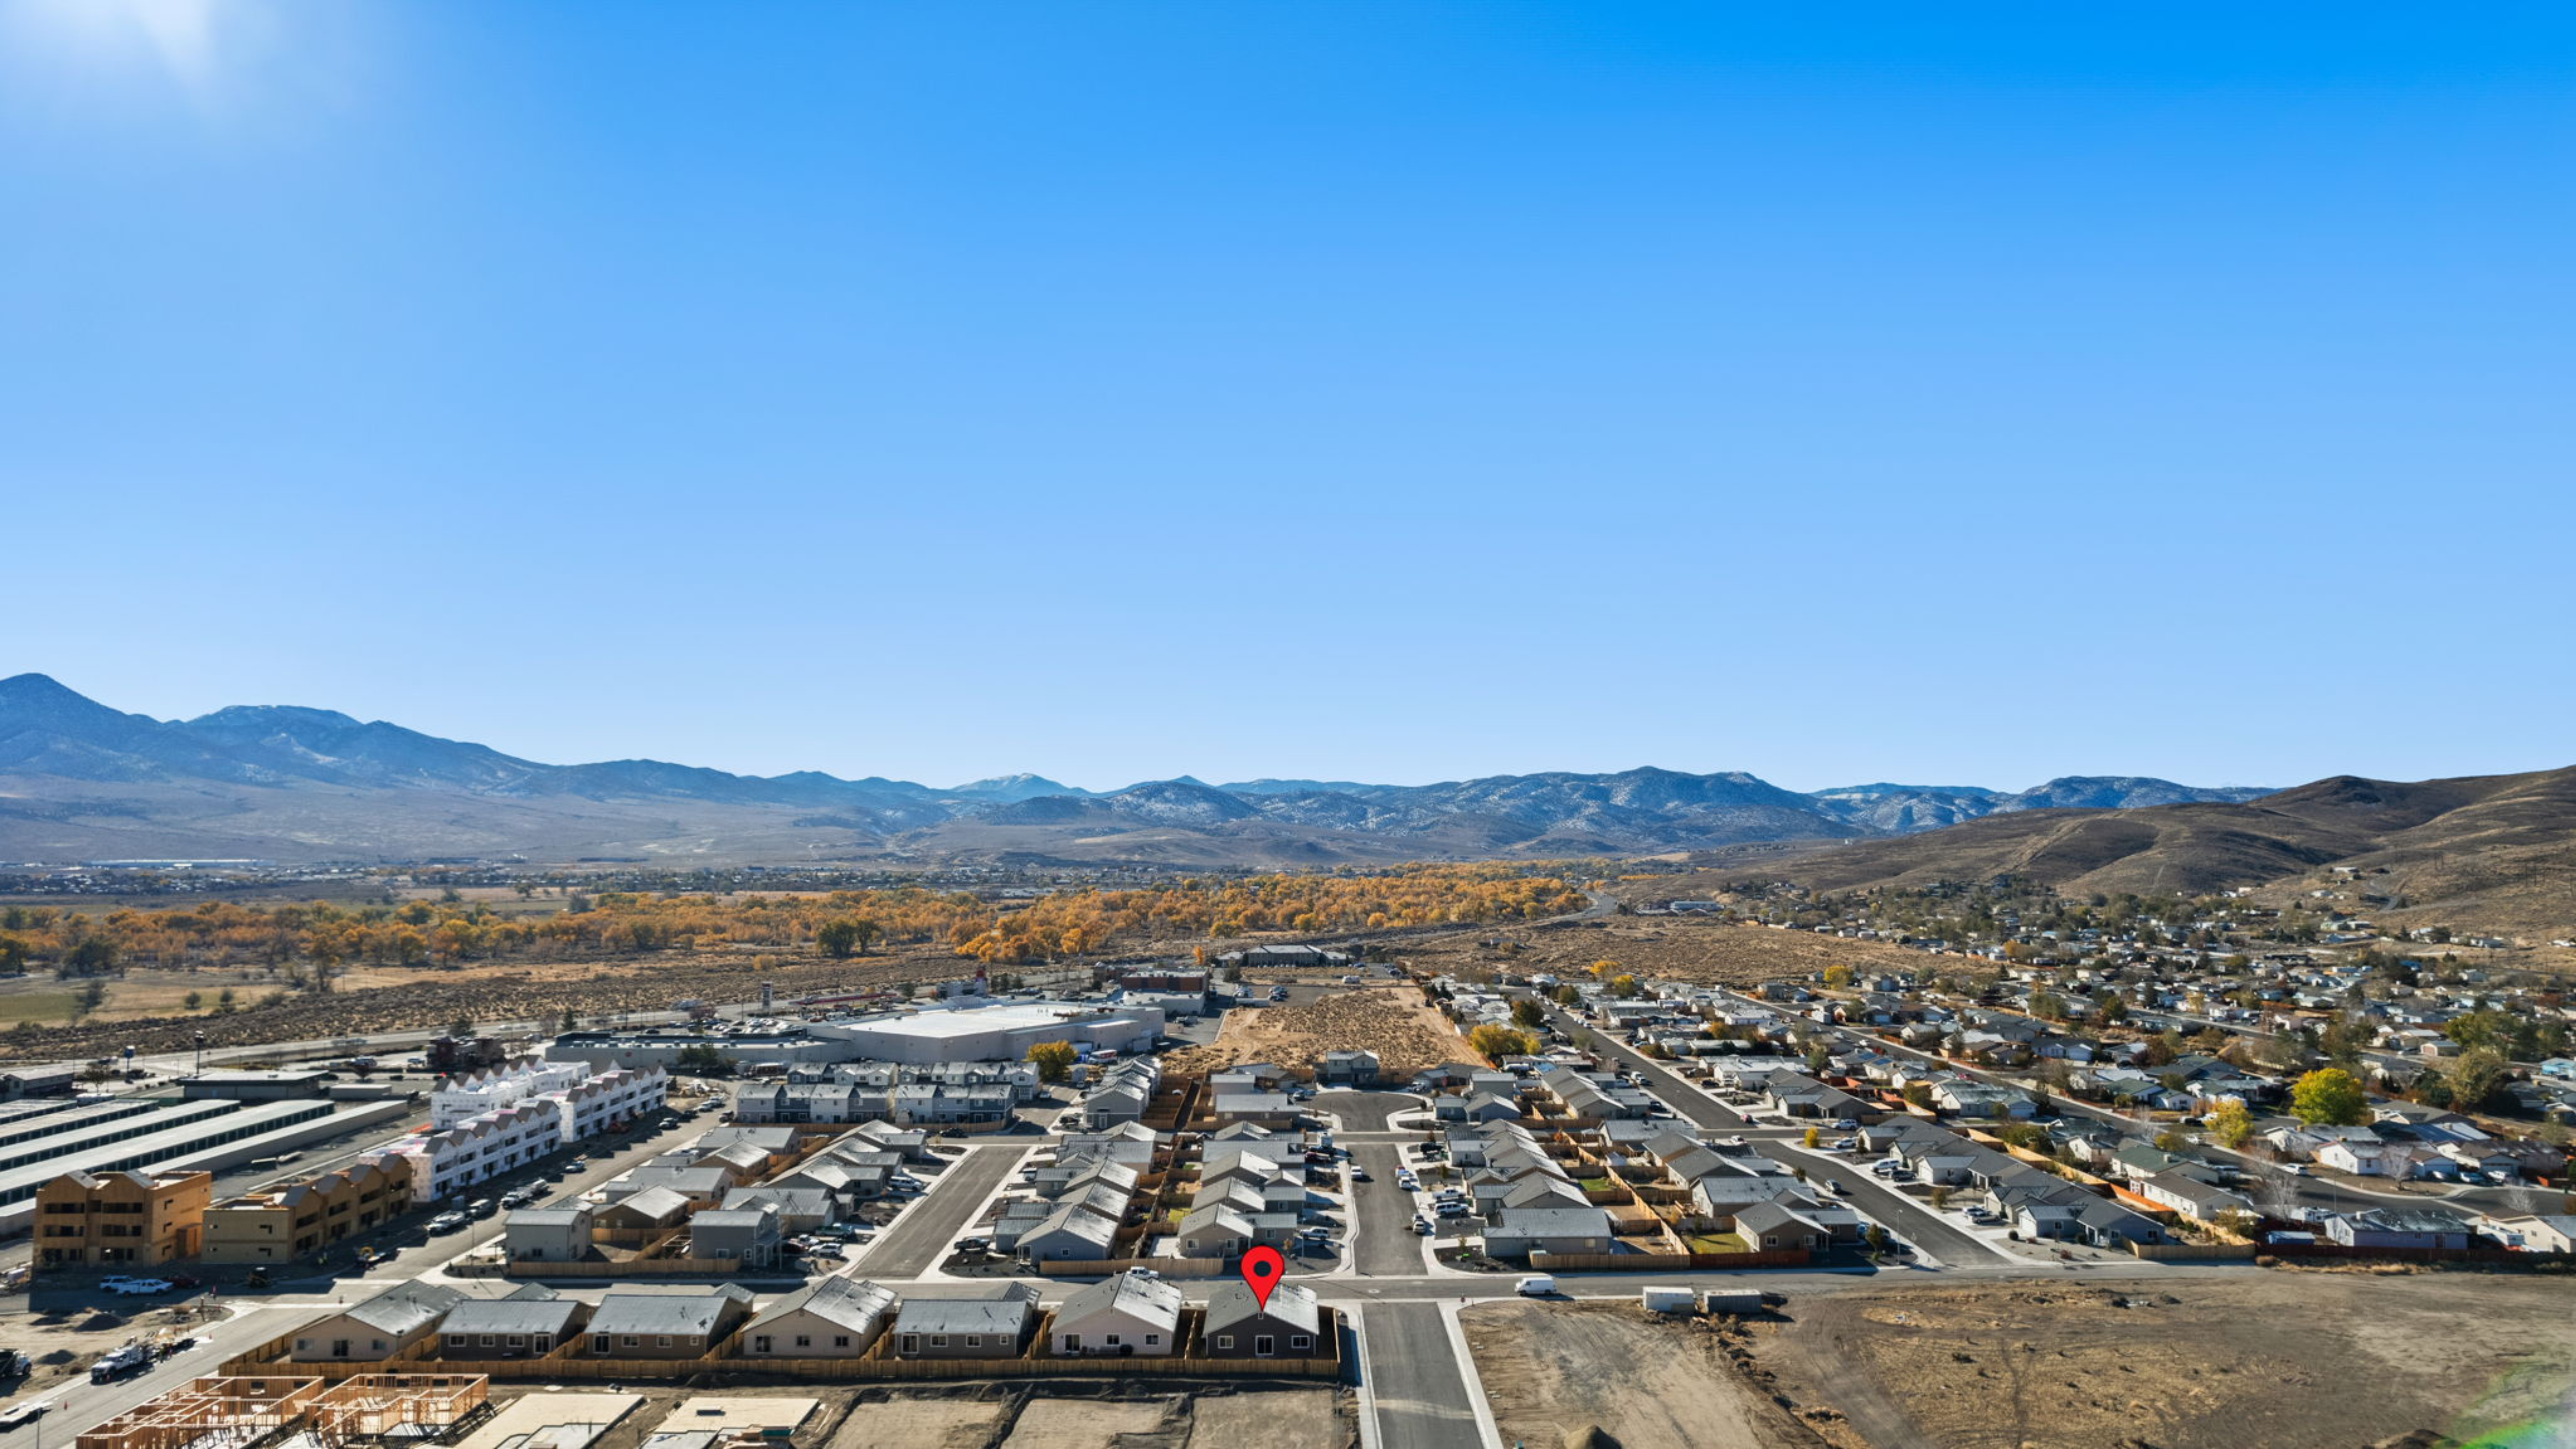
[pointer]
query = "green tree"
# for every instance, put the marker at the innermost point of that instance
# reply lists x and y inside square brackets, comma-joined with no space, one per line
[94,956]
[2329,1097]
[1494,1043]
[701,1059]
[837,938]
[92,996]
[1528,1015]
[13,956]
[193,1000]
[2231,1124]
[2476,1078]
[1053,1059]
[462,1028]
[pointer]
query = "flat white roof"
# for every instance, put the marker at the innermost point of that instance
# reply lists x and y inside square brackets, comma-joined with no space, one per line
[945,1025]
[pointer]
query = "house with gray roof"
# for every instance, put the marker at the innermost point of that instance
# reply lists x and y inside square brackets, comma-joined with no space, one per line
[830,1318]
[378,1328]
[548,1235]
[1238,1325]
[636,1323]
[1519,1232]
[1129,1315]
[527,1324]
[748,1235]
[967,1322]
[1072,1233]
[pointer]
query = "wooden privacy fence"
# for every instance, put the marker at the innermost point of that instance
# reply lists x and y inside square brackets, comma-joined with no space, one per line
[1667,1262]
[2195,1252]
[649,1268]
[567,1363]
[2502,1256]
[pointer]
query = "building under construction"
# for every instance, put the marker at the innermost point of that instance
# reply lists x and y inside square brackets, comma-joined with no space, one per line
[238,1411]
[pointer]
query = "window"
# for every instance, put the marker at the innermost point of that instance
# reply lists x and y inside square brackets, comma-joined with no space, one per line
[1302,1340]
[628,1341]
[802,1341]
[1153,1338]
[939,1340]
[840,1340]
[662,1341]
[487,1340]
[1225,1340]
[1110,1339]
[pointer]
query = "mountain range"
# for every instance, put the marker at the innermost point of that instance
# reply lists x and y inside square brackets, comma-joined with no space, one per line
[80,780]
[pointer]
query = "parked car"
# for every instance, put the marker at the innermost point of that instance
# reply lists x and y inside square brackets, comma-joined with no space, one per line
[974,1245]
[135,1286]
[1451,1210]
[448,1222]
[1422,1225]
[1846,1124]
[1361,1174]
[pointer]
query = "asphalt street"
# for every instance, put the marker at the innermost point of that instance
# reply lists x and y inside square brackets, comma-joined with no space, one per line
[922,1236]
[1420,1396]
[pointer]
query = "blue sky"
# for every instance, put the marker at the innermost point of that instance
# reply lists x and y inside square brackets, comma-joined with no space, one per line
[1396,391]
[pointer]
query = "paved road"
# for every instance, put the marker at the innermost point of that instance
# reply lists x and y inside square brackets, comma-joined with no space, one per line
[1366,1111]
[1412,1372]
[921,1237]
[80,1405]
[1909,1219]
[1382,1217]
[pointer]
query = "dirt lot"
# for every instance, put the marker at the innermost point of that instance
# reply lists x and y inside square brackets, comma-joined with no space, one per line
[926,1421]
[1553,1369]
[1101,1424]
[1389,1019]
[384,999]
[1677,948]
[64,1344]
[2287,1360]
[1121,1416]
[1270,1419]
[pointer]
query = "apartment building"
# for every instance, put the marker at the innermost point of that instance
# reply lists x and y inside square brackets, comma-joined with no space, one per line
[587,1101]
[118,1219]
[447,1162]
[302,1218]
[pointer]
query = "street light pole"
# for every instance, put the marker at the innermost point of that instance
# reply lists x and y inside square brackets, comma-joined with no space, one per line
[201,1054]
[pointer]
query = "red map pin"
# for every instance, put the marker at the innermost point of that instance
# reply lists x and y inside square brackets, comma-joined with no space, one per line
[1261,1270]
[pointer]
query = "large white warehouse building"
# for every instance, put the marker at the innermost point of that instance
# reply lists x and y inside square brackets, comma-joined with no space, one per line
[1002,1033]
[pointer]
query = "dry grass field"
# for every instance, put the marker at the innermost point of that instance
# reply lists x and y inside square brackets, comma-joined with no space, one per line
[1678,948]
[2287,1360]
[1553,1371]
[1389,1019]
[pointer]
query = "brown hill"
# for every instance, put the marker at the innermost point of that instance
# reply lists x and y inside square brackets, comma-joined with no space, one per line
[2495,852]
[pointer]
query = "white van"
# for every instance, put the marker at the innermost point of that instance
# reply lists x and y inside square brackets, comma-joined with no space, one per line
[1537,1285]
